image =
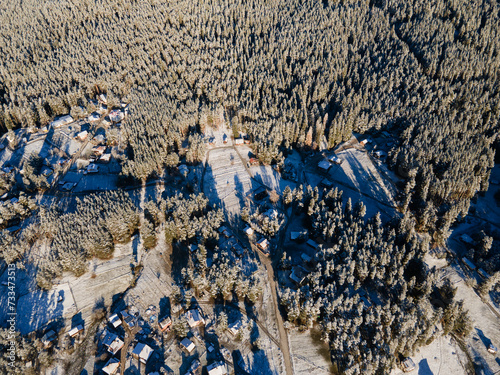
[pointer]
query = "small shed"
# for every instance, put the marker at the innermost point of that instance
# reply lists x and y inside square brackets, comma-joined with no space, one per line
[312,244]
[142,352]
[48,338]
[324,165]
[469,264]
[263,244]
[92,168]
[408,365]
[188,345]
[248,230]
[238,141]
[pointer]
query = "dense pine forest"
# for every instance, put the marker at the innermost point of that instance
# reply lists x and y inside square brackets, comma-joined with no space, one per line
[364,258]
[290,73]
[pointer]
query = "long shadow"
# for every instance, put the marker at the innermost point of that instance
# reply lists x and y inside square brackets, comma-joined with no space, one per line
[486,341]
[38,309]
[261,364]
[165,307]
[423,368]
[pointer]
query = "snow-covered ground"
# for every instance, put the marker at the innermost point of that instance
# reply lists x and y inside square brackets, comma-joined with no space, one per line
[270,178]
[309,354]
[226,180]
[70,295]
[358,172]
[441,357]
[486,322]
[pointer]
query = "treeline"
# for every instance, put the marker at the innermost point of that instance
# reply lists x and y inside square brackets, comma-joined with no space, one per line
[98,223]
[370,290]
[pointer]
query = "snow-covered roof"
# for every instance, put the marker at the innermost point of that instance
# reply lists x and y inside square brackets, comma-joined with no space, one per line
[116,115]
[217,368]
[94,116]
[468,263]
[312,243]
[115,320]
[63,120]
[194,318]
[48,337]
[92,168]
[82,135]
[165,323]
[188,344]
[248,230]
[324,164]
[111,367]
[142,351]
[115,346]
[235,327]
[263,243]
[74,331]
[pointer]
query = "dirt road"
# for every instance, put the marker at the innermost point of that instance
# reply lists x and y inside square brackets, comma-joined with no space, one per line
[285,349]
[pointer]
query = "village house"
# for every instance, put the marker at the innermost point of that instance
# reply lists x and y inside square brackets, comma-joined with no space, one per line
[142,352]
[165,324]
[263,244]
[82,136]
[76,331]
[61,121]
[48,338]
[115,346]
[235,327]
[187,345]
[194,318]
[111,366]
[114,320]
[217,368]
[298,275]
